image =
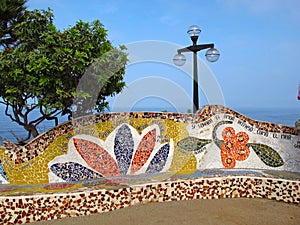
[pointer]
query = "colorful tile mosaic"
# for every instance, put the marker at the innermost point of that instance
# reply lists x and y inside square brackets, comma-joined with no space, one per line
[96,157]
[159,160]
[123,148]
[143,151]
[127,143]
[71,171]
[105,162]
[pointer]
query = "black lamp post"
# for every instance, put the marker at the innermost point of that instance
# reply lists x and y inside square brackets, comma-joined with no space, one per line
[212,55]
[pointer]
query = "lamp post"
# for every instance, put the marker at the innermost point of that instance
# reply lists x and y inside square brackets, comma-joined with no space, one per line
[212,55]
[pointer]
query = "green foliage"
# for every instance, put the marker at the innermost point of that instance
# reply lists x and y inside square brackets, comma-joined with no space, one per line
[11,13]
[45,69]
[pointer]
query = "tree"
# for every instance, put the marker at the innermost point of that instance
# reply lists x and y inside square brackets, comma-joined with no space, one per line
[43,72]
[11,12]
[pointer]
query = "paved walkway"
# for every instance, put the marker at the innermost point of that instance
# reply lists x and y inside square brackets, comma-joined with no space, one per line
[206,212]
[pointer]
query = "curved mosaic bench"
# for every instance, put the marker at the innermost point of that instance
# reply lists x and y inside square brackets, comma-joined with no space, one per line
[25,209]
[108,161]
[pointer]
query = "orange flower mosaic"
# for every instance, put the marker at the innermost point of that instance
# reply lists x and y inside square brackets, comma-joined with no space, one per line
[234,147]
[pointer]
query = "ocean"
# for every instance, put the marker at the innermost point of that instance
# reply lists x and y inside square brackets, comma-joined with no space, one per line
[10,130]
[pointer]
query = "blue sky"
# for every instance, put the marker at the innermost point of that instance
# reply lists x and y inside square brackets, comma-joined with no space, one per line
[259,42]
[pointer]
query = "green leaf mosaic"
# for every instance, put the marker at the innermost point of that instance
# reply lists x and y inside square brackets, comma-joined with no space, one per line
[267,154]
[193,144]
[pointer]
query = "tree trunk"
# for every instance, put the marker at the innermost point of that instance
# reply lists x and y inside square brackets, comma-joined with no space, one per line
[32,130]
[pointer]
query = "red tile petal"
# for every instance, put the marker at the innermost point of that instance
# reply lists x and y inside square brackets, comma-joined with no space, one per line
[97,157]
[143,151]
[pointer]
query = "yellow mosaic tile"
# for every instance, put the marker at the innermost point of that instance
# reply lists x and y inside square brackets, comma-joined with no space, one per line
[183,163]
[175,130]
[36,170]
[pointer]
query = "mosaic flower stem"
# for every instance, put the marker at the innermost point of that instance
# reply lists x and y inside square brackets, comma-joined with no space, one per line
[214,133]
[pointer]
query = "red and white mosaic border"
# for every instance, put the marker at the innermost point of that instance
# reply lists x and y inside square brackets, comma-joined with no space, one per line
[25,209]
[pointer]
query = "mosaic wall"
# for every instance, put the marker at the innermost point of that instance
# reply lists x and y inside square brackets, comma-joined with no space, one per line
[117,144]
[110,161]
